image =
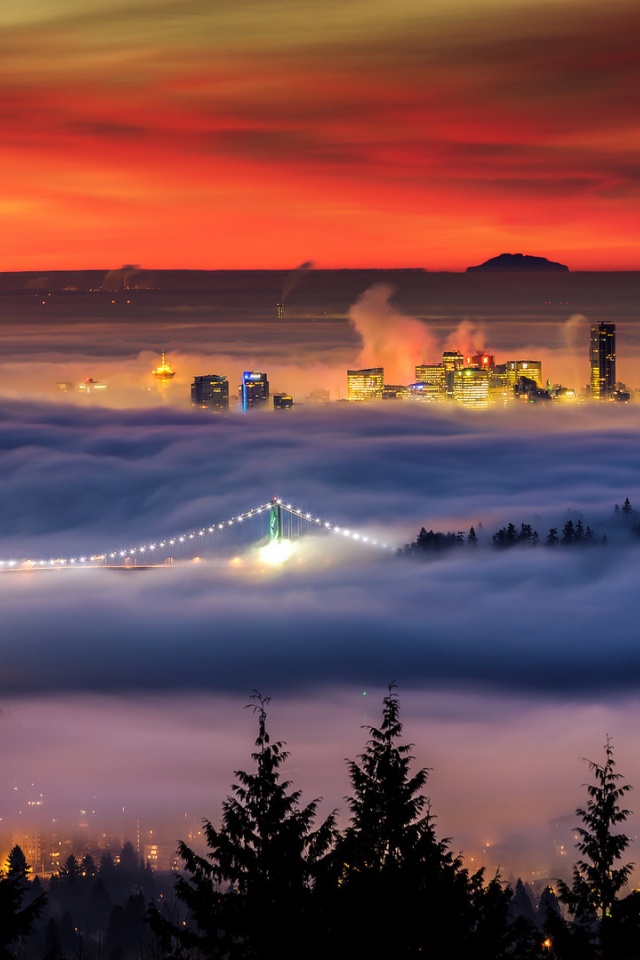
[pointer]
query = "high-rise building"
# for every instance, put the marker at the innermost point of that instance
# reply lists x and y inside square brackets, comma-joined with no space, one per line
[429,383]
[531,369]
[211,391]
[254,389]
[395,391]
[426,392]
[602,354]
[483,361]
[282,401]
[471,387]
[452,360]
[365,384]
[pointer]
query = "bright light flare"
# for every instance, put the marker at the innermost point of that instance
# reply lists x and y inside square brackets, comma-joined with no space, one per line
[277,552]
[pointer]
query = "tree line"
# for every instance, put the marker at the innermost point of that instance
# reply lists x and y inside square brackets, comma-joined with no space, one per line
[277,884]
[88,909]
[572,534]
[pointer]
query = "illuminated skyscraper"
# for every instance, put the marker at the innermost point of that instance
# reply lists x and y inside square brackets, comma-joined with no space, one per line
[471,387]
[432,376]
[254,389]
[602,354]
[211,391]
[429,385]
[365,384]
[452,360]
[483,361]
[531,369]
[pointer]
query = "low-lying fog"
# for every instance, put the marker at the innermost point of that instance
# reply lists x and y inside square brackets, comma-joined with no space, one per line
[125,691]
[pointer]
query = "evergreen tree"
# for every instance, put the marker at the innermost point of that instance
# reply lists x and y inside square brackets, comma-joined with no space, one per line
[70,871]
[88,866]
[387,803]
[552,537]
[52,948]
[526,533]
[399,886]
[548,906]
[598,878]
[250,897]
[521,905]
[66,889]
[18,910]
[472,538]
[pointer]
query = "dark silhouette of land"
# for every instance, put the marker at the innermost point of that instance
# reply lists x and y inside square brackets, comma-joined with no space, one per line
[519,262]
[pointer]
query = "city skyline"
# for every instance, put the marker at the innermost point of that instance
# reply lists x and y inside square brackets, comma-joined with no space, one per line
[174,135]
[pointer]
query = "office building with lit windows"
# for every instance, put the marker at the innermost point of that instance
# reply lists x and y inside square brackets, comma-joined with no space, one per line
[471,387]
[254,389]
[431,376]
[531,369]
[211,392]
[282,401]
[602,355]
[483,361]
[365,384]
[452,361]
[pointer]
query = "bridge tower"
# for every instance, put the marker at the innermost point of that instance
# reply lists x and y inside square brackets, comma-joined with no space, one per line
[275,521]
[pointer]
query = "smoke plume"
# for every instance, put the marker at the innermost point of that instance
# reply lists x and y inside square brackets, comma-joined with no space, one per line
[468,337]
[389,338]
[293,279]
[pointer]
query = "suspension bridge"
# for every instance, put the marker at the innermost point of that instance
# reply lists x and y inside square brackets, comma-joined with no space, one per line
[275,526]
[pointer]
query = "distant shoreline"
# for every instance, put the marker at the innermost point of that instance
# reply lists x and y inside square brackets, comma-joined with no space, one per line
[143,280]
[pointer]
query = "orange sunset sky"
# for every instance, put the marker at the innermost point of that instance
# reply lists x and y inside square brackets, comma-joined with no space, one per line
[232,134]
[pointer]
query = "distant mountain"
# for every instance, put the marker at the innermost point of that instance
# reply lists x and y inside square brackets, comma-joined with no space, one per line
[519,262]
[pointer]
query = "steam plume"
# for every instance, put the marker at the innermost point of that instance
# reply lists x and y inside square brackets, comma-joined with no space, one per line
[389,338]
[468,337]
[293,279]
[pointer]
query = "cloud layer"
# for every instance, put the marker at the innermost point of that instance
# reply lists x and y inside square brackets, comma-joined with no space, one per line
[84,482]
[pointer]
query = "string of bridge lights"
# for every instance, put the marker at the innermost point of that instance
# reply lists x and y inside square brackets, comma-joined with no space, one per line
[147,550]
[294,511]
